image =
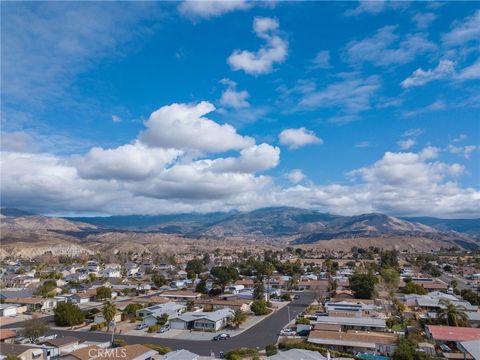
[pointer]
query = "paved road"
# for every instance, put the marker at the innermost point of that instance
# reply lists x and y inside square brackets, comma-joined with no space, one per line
[462,284]
[258,336]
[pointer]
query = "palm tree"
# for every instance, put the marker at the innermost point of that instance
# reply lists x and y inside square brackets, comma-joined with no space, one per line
[109,312]
[452,314]
[238,318]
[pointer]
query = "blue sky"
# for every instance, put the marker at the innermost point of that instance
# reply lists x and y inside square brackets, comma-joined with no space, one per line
[157,107]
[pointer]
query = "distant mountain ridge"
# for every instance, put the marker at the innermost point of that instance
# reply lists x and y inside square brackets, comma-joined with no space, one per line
[273,224]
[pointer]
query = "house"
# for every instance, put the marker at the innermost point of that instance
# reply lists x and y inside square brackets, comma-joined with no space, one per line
[181,295]
[246,283]
[111,273]
[8,309]
[313,285]
[471,348]
[151,314]
[99,318]
[83,297]
[350,308]
[205,321]
[23,352]
[33,303]
[76,277]
[180,355]
[295,354]
[7,335]
[217,304]
[354,323]
[355,341]
[60,344]
[428,284]
[443,334]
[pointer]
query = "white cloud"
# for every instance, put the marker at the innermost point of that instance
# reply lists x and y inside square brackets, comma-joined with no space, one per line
[465,151]
[295,176]
[261,62]
[296,138]
[321,60]
[116,118]
[406,144]
[195,9]
[444,69]
[464,31]
[413,132]
[470,72]
[253,159]
[184,126]
[385,49]
[351,95]
[231,98]
[127,162]
[423,20]
[435,106]
[375,7]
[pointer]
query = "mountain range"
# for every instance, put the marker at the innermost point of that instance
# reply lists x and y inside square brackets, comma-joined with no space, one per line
[274,225]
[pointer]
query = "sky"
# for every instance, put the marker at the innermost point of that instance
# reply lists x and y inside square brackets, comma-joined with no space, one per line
[173,107]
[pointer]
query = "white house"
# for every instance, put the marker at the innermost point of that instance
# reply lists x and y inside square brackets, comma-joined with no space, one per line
[151,314]
[8,310]
[111,273]
[204,321]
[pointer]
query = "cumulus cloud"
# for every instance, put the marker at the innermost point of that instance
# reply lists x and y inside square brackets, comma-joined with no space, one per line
[406,144]
[184,126]
[274,51]
[127,162]
[470,72]
[464,31]
[116,118]
[199,9]
[295,176]
[465,151]
[444,69]
[385,48]
[231,98]
[296,138]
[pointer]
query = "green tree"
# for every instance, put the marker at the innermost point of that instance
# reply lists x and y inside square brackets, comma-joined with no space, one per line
[259,291]
[451,314]
[195,266]
[259,307]
[162,320]
[413,288]
[47,289]
[224,275]
[34,329]
[271,350]
[435,271]
[103,293]
[201,287]
[390,277]
[389,259]
[363,285]
[238,318]
[131,309]
[109,311]
[66,314]
[159,280]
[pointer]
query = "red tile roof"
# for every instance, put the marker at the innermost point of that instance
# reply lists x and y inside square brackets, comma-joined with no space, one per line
[452,333]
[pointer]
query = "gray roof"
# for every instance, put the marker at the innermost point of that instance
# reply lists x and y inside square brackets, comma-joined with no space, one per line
[352,321]
[472,347]
[212,316]
[7,294]
[180,355]
[297,354]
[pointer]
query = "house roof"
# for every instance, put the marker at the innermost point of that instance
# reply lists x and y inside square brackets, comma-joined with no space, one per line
[295,354]
[233,302]
[355,338]
[25,300]
[212,316]
[62,341]
[472,347]
[180,293]
[180,355]
[452,333]
[14,349]
[351,321]
[7,334]
[128,352]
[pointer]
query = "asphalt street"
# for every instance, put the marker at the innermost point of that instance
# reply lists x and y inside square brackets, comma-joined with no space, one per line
[258,336]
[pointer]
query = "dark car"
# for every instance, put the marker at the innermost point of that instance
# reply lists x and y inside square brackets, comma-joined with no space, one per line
[220,337]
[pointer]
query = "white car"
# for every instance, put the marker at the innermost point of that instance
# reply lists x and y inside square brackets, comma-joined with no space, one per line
[141,326]
[287,332]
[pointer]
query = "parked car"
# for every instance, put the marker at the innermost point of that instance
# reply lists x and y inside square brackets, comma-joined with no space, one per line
[220,337]
[296,297]
[141,326]
[287,332]
[163,329]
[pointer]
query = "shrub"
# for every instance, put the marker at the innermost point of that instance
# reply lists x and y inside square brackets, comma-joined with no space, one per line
[68,315]
[271,350]
[303,321]
[162,350]
[286,297]
[259,307]
[153,328]
[119,343]
[237,354]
